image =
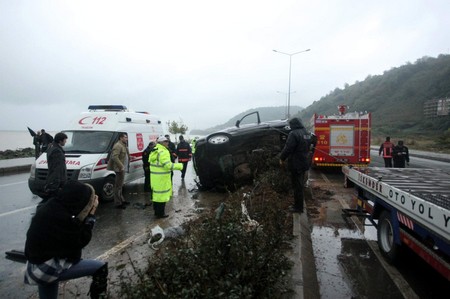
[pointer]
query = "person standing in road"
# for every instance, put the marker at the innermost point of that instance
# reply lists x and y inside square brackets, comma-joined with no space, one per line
[172,149]
[37,144]
[173,152]
[184,154]
[386,148]
[401,155]
[161,168]
[296,151]
[119,162]
[57,170]
[58,232]
[146,165]
[46,140]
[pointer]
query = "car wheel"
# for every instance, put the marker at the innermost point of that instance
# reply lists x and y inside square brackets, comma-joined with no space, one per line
[107,192]
[218,138]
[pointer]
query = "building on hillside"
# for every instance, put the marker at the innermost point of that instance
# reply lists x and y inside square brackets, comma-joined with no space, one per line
[436,108]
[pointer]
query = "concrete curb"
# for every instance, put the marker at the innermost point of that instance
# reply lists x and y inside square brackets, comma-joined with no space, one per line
[17,165]
[14,169]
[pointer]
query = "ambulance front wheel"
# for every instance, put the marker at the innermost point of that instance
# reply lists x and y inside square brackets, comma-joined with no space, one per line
[385,234]
[108,189]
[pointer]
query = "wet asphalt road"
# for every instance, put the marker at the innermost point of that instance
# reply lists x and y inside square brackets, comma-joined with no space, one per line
[112,229]
[347,259]
[344,257]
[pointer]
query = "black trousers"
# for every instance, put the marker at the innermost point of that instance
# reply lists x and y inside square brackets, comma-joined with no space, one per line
[298,184]
[183,172]
[387,162]
[159,208]
[147,187]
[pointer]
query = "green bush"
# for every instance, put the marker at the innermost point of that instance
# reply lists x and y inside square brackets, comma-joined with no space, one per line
[226,257]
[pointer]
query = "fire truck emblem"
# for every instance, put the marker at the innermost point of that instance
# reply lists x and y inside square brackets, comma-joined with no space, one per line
[341,139]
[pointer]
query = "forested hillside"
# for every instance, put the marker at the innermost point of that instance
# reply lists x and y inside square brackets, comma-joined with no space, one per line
[396,98]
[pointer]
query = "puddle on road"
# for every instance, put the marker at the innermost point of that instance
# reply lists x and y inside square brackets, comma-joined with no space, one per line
[346,266]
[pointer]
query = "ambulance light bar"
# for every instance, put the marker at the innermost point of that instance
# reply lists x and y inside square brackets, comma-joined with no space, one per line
[108,107]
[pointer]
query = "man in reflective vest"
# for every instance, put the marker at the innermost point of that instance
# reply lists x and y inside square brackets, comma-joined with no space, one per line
[386,148]
[161,168]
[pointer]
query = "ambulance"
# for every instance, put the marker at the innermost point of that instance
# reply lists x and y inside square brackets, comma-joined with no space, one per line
[91,137]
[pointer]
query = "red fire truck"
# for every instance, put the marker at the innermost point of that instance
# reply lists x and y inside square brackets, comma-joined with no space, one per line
[342,139]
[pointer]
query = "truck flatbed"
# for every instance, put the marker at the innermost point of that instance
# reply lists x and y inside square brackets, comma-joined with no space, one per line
[432,185]
[421,194]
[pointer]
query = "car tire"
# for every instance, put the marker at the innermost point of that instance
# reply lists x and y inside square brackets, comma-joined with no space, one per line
[107,191]
[218,139]
[385,236]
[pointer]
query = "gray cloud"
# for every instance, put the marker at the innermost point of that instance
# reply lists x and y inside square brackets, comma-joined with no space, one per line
[199,61]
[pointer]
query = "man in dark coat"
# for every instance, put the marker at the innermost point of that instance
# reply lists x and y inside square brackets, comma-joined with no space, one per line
[146,165]
[172,149]
[57,171]
[400,155]
[296,151]
[37,144]
[46,140]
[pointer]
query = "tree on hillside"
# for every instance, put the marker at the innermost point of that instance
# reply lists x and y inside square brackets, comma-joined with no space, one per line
[396,99]
[177,127]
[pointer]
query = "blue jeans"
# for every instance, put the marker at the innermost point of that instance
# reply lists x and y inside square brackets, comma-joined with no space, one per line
[80,269]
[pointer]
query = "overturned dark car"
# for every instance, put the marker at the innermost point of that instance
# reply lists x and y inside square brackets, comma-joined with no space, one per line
[222,159]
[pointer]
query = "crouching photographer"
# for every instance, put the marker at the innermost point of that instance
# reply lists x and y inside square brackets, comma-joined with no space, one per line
[58,232]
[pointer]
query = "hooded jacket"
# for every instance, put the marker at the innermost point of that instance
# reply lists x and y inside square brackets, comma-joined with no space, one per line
[61,227]
[296,149]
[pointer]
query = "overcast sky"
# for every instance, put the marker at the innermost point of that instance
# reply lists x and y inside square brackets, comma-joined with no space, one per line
[199,62]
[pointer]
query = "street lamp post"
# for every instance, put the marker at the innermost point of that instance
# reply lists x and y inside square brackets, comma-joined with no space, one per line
[290,64]
[285,93]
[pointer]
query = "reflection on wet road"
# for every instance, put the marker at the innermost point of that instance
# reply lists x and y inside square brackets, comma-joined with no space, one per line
[114,228]
[347,257]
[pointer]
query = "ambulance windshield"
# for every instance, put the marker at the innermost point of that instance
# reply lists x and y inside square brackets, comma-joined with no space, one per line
[88,141]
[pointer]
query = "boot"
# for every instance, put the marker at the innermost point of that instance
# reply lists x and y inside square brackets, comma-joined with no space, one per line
[99,283]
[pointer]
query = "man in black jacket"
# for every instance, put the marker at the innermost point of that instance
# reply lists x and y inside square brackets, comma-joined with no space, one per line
[57,171]
[400,155]
[146,165]
[296,150]
[46,140]
[184,154]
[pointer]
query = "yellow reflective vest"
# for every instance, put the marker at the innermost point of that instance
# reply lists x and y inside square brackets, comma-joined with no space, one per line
[193,143]
[160,173]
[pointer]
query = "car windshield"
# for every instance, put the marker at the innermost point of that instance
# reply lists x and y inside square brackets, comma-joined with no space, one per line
[88,141]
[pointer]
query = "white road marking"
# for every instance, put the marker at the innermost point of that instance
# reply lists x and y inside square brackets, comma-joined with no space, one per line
[17,211]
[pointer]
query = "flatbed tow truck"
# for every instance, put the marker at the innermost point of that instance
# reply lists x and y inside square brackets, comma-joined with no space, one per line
[409,207]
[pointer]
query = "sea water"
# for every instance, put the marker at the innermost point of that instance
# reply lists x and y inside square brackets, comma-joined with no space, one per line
[15,140]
